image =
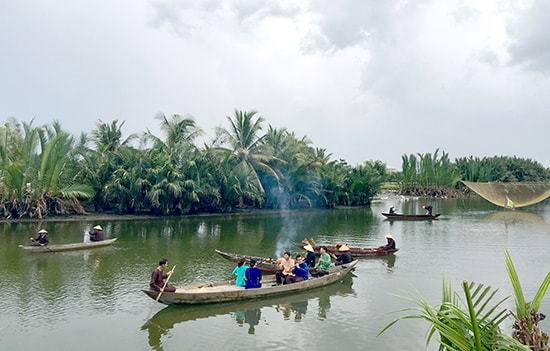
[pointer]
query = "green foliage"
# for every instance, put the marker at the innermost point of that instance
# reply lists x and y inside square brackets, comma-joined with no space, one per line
[501,169]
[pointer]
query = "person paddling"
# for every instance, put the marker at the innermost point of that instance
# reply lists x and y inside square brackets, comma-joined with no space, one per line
[96,234]
[41,239]
[158,276]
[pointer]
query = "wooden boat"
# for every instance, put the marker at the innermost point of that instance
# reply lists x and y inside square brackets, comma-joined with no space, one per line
[226,290]
[68,247]
[356,252]
[266,265]
[408,217]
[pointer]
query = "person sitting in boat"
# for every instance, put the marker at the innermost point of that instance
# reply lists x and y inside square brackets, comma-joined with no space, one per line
[96,234]
[239,272]
[158,276]
[253,276]
[390,245]
[285,265]
[428,209]
[345,257]
[323,264]
[299,273]
[41,239]
[392,210]
[310,257]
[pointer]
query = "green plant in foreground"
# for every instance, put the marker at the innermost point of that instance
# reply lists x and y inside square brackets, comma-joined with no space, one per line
[526,326]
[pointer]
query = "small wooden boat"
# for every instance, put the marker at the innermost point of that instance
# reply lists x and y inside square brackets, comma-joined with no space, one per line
[226,290]
[407,217]
[356,252]
[68,247]
[266,265]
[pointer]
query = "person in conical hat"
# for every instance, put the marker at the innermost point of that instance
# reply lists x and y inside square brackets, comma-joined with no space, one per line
[310,257]
[390,244]
[345,257]
[41,239]
[97,234]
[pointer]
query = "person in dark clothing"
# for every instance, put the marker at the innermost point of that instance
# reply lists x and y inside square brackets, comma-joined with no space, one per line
[390,245]
[96,234]
[345,257]
[299,272]
[392,210]
[41,239]
[253,276]
[310,257]
[158,276]
[428,209]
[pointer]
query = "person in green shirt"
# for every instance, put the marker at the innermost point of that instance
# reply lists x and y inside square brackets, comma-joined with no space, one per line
[323,263]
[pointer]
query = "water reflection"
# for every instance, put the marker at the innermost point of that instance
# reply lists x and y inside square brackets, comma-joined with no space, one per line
[291,308]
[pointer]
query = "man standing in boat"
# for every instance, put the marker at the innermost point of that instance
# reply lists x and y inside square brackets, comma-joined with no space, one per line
[96,234]
[428,209]
[158,276]
[41,239]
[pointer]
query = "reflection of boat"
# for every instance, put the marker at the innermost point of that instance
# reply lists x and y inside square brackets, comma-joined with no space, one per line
[266,265]
[356,252]
[68,247]
[173,314]
[410,217]
[227,290]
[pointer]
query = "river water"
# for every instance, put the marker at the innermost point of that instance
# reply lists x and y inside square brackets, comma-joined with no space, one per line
[92,300]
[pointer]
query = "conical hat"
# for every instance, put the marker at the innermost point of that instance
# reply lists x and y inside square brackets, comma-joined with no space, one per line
[98,227]
[344,247]
[308,247]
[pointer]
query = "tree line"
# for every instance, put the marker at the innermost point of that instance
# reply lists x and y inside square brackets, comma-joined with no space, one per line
[46,171]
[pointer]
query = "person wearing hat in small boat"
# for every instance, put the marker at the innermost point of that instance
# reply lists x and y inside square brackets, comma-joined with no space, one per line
[392,209]
[96,234]
[41,239]
[345,257]
[390,245]
[310,257]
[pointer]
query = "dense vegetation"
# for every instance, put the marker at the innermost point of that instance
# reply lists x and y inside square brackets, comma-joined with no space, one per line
[46,171]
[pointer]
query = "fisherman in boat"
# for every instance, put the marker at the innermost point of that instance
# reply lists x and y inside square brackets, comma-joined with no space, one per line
[158,276]
[310,257]
[96,234]
[41,239]
[392,210]
[285,265]
[345,257]
[390,244]
[323,263]
[253,276]
[428,209]
[299,273]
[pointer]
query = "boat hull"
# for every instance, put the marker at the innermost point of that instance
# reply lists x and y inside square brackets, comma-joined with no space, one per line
[266,265]
[68,247]
[404,217]
[224,291]
[356,252]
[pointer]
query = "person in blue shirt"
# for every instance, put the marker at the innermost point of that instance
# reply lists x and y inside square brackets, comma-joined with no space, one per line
[239,272]
[253,276]
[299,273]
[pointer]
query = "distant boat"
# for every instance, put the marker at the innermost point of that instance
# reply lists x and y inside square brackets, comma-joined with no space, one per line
[409,217]
[68,247]
[265,264]
[356,252]
[226,290]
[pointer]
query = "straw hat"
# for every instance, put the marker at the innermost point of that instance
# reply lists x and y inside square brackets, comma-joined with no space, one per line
[344,247]
[98,227]
[308,247]
[42,231]
[388,236]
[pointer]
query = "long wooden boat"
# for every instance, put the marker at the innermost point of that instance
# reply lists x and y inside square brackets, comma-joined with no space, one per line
[226,290]
[265,264]
[356,252]
[410,217]
[68,247]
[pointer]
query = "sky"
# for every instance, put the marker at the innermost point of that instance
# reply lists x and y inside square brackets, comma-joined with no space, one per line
[362,79]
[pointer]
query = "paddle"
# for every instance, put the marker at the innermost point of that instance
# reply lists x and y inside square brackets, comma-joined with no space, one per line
[160,293]
[46,246]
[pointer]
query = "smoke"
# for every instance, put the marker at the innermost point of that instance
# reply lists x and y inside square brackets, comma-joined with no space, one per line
[288,235]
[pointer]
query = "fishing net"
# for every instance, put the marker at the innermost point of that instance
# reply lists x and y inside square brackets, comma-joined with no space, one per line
[511,194]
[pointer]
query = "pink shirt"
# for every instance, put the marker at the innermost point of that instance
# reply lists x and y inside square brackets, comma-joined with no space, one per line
[285,265]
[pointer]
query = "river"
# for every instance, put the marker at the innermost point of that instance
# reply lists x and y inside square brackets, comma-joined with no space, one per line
[92,299]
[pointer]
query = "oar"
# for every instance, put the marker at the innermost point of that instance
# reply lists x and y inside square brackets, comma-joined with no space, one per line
[160,293]
[46,246]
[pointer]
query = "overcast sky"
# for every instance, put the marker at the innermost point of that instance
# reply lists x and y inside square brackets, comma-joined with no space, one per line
[365,80]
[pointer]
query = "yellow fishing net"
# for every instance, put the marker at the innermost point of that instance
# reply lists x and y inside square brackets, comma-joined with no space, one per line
[516,194]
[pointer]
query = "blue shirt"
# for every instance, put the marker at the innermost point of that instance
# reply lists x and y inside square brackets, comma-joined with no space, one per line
[253,277]
[301,271]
